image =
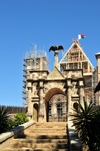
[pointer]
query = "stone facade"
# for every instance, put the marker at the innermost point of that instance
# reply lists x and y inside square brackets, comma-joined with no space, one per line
[74,83]
[42,86]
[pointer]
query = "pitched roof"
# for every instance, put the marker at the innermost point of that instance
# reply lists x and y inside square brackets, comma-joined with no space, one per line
[77,44]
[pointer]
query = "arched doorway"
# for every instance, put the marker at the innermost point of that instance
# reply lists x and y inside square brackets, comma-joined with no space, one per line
[35,112]
[56,106]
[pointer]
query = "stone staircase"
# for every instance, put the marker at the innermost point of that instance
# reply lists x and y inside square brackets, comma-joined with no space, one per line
[42,137]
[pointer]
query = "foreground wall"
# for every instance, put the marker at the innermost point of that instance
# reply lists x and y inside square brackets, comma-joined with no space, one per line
[7,137]
[75,144]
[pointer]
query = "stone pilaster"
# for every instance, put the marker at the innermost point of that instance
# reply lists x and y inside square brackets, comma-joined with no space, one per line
[29,104]
[69,96]
[81,91]
[41,103]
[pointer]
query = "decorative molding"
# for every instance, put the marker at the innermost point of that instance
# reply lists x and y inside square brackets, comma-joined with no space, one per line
[52,85]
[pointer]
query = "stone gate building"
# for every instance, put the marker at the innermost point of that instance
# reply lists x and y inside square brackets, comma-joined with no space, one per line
[51,96]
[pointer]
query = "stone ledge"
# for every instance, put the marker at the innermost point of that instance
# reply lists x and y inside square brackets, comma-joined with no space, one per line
[74,142]
[14,131]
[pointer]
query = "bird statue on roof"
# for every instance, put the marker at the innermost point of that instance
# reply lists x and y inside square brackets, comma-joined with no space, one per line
[54,48]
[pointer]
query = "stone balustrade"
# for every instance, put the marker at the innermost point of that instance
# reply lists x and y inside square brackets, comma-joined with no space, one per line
[7,137]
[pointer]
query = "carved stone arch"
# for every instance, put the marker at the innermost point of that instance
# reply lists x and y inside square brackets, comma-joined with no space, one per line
[52,92]
[50,86]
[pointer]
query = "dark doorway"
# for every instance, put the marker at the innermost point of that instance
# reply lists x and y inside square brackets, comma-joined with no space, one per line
[76,106]
[35,112]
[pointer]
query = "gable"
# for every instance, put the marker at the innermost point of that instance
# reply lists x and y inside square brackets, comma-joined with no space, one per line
[75,58]
[55,74]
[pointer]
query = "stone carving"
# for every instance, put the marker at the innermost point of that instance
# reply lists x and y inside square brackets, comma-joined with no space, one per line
[74,89]
[34,76]
[36,92]
[53,85]
[45,89]
[73,75]
[35,89]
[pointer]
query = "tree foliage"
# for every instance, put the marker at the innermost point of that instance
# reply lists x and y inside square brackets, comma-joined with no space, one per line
[87,122]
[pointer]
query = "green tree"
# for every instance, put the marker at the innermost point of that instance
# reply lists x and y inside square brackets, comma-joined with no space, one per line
[87,122]
[3,119]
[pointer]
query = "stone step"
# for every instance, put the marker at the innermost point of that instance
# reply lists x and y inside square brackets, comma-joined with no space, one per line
[49,123]
[42,133]
[45,136]
[45,128]
[30,149]
[61,124]
[39,145]
[49,126]
[45,131]
[42,137]
[40,140]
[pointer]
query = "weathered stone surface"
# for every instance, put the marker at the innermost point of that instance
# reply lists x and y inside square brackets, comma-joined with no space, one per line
[55,74]
[42,136]
[42,86]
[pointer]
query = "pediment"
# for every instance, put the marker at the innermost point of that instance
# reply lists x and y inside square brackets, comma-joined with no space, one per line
[55,74]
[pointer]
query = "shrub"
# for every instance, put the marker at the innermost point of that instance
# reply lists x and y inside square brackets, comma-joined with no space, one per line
[3,119]
[87,122]
[21,118]
[11,124]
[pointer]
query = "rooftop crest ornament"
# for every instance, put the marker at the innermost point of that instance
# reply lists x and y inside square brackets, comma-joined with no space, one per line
[56,49]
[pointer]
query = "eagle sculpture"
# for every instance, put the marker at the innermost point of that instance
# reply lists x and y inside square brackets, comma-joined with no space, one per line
[56,48]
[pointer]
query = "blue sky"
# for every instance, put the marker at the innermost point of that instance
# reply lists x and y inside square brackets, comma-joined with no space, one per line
[46,23]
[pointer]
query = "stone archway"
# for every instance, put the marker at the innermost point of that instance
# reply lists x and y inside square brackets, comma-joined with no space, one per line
[35,112]
[55,100]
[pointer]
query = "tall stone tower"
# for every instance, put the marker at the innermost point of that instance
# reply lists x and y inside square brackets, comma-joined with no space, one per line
[35,70]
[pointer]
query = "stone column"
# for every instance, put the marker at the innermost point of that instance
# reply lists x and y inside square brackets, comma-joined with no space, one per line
[30,107]
[56,58]
[41,103]
[81,91]
[69,96]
